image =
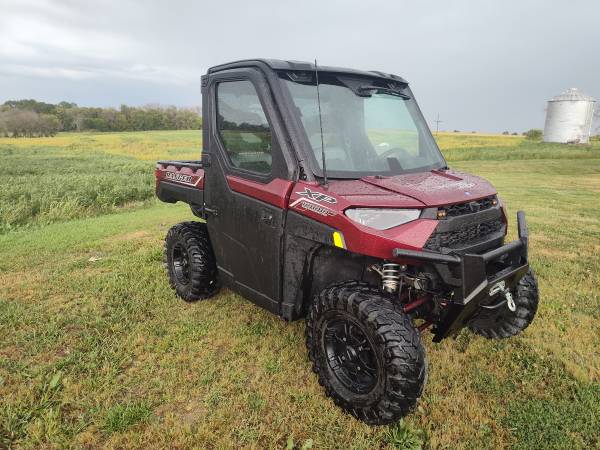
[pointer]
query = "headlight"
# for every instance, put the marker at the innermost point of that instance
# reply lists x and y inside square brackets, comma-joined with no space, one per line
[382,219]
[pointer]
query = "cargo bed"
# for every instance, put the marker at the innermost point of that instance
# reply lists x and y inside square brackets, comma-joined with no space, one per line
[180,181]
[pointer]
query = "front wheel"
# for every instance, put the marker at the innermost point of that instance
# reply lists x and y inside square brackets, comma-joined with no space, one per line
[502,323]
[366,352]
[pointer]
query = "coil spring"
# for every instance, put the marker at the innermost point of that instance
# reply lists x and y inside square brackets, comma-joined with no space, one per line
[390,277]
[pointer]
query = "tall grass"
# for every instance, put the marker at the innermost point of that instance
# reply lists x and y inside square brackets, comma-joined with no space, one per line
[75,175]
[46,184]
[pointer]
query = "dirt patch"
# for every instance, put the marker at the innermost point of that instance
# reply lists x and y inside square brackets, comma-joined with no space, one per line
[11,352]
[556,253]
[22,285]
[186,413]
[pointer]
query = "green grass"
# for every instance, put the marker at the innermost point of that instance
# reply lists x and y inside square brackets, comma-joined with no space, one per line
[524,150]
[96,350]
[567,422]
[123,416]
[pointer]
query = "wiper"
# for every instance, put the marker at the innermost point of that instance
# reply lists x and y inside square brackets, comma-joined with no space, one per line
[367,91]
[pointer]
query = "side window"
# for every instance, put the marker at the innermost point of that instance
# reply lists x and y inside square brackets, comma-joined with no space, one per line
[243,126]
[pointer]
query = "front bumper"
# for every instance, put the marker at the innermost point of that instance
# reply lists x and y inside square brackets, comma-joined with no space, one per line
[472,276]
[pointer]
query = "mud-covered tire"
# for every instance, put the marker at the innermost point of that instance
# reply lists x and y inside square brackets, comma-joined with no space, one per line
[398,354]
[190,262]
[503,323]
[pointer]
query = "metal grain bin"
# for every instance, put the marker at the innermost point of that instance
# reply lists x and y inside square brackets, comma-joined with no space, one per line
[569,118]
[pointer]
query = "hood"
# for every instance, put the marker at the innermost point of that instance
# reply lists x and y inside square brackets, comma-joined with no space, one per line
[423,189]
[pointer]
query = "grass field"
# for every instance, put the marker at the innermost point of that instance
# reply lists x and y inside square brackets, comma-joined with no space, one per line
[96,351]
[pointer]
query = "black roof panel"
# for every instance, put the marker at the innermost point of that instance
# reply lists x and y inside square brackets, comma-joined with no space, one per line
[278,64]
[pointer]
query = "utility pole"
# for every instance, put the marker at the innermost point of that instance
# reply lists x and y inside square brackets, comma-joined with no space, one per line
[437,124]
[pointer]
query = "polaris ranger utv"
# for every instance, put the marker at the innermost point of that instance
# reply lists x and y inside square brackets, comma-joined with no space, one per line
[324,196]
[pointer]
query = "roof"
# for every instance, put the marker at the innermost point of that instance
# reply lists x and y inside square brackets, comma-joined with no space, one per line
[572,95]
[278,64]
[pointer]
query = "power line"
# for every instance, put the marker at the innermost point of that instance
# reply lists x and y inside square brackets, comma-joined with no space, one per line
[437,124]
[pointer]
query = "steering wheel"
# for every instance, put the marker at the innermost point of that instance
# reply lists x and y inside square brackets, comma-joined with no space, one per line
[391,152]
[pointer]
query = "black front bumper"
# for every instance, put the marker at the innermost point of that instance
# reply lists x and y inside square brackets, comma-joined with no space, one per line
[472,276]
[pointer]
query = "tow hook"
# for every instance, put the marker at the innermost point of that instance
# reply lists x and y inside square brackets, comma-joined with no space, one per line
[510,302]
[501,288]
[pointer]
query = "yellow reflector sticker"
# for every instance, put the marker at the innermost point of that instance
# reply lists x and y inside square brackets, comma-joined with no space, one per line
[338,239]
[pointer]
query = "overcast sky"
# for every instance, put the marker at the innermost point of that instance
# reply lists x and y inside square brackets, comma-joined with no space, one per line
[482,65]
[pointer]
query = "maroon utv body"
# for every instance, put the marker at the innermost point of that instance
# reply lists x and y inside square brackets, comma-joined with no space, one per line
[323,195]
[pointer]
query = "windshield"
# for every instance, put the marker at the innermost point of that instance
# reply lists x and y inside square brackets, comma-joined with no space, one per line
[366,131]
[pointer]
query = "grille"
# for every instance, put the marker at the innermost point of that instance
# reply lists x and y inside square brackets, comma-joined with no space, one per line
[468,235]
[469,207]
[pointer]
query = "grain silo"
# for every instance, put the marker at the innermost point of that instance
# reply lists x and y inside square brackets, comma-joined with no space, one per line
[569,118]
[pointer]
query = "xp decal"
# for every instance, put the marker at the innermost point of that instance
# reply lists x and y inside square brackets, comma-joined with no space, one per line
[317,196]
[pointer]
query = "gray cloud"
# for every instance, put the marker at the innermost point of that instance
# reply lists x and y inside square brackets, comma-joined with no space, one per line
[481,65]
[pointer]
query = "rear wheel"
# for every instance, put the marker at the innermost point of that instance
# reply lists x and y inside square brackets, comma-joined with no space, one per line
[502,323]
[190,261]
[366,352]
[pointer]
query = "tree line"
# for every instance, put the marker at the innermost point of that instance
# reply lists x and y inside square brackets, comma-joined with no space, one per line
[30,118]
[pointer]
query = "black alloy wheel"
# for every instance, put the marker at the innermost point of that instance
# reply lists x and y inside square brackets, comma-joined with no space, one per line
[181,264]
[366,352]
[350,355]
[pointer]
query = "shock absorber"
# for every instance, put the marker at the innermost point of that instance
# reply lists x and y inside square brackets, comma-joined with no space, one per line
[390,277]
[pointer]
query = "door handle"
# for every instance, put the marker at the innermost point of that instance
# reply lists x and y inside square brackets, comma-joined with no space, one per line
[212,211]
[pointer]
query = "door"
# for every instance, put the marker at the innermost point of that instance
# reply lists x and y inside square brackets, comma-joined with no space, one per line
[246,186]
